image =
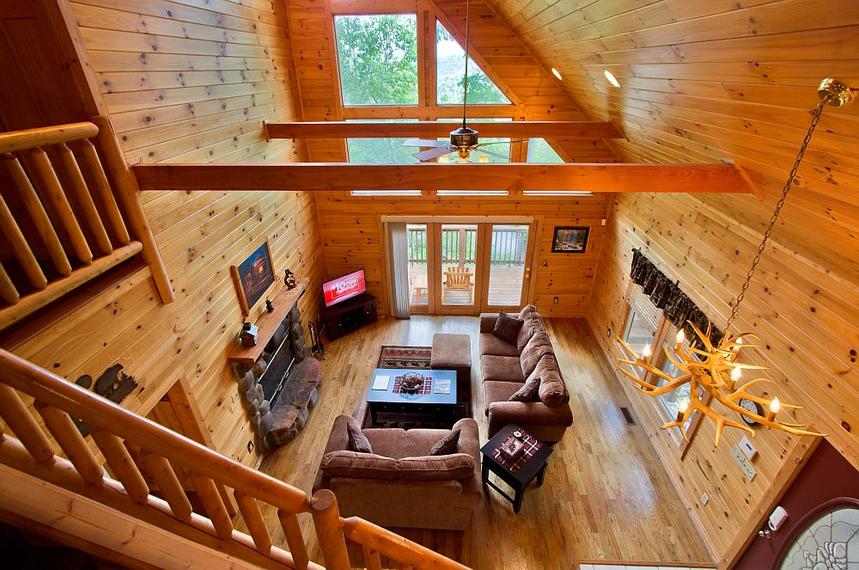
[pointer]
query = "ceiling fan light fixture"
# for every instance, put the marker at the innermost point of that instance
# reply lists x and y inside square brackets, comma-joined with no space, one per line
[611,78]
[557,74]
[463,137]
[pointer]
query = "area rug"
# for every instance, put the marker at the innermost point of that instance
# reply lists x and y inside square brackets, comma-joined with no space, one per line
[404,357]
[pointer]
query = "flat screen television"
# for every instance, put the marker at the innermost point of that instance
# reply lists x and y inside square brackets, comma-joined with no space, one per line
[341,288]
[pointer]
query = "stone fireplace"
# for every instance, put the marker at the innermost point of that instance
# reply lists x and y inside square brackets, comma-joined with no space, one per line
[278,381]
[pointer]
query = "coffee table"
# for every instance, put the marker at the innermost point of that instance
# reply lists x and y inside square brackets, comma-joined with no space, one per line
[427,408]
[516,473]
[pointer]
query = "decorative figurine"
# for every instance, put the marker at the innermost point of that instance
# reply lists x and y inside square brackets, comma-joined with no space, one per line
[248,335]
[289,279]
[269,308]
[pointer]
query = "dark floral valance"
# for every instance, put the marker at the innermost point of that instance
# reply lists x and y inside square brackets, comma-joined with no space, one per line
[667,296]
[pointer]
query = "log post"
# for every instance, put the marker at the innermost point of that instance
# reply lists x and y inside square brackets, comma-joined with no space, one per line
[128,193]
[292,530]
[326,520]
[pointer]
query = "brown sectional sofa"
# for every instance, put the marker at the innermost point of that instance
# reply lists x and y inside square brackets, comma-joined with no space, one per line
[506,366]
[399,485]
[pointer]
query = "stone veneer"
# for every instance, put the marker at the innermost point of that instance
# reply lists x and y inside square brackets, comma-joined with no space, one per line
[277,423]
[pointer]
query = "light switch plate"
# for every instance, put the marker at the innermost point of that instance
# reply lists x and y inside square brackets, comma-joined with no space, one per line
[744,463]
[747,448]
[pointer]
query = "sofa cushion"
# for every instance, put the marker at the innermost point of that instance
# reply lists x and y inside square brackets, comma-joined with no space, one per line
[526,332]
[503,368]
[499,391]
[552,391]
[357,440]
[507,328]
[389,442]
[358,465]
[447,444]
[528,392]
[435,468]
[537,347]
[491,344]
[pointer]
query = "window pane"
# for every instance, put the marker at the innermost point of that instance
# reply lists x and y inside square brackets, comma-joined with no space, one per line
[542,152]
[380,151]
[450,66]
[638,333]
[508,247]
[417,243]
[378,57]
[458,263]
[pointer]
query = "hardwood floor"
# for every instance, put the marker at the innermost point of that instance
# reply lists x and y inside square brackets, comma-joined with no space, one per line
[606,495]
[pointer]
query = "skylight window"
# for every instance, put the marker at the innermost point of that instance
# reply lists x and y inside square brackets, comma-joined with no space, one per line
[450,66]
[378,59]
[542,152]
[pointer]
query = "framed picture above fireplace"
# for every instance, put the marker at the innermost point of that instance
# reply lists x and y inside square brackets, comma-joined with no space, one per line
[253,277]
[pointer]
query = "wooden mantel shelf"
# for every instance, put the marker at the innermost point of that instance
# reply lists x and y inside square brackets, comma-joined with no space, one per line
[268,323]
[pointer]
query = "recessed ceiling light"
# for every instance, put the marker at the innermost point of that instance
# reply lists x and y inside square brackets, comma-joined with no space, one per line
[557,193]
[557,74]
[386,193]
[611,78]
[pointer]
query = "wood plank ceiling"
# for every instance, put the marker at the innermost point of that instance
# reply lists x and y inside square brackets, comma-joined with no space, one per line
[705,81]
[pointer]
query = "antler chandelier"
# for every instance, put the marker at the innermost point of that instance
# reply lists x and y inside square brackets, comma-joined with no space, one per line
[713,372]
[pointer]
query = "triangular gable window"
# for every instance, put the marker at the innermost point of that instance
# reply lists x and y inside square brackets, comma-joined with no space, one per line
[450,62]
[539,150]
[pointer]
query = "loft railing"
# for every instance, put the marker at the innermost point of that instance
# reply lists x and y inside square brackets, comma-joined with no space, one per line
[137,450]
[509,246]
[70,211]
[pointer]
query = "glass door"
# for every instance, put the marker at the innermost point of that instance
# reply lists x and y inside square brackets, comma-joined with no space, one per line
[458,248]
[509,250]
[420,247]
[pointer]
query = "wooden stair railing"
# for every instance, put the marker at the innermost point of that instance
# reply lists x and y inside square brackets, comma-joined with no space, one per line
[67,216]
[115,431]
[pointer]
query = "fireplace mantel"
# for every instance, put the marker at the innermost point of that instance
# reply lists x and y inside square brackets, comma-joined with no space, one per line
[268,323]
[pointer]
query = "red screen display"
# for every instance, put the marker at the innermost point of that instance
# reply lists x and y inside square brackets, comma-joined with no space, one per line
[344,287]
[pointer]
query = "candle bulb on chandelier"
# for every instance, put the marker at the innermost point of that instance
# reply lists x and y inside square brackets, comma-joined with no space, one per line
[775,406]
[681,338]
[646,351]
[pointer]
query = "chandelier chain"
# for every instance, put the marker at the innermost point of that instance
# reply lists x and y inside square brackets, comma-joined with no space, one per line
[815,118]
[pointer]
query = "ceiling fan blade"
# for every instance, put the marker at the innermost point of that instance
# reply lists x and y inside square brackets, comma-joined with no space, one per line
[498,154]
[490,143]
[432,153]
[425,143]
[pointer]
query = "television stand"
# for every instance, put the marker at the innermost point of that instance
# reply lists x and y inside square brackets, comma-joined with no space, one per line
[349,315]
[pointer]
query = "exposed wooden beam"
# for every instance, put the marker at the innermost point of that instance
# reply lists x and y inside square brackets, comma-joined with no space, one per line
[590,130]
[325,176]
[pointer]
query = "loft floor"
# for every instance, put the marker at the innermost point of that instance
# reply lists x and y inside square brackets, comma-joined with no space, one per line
[606,495]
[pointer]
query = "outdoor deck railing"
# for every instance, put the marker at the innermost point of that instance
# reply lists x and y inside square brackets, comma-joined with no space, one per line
[458,246]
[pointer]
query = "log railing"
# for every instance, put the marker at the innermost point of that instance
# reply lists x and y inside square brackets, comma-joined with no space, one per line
[136,450]
[70,211]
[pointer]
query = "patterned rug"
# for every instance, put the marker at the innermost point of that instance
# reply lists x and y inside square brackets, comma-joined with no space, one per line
[404,357]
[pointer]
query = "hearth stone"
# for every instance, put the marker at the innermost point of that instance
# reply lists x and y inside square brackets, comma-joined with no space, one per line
[276,423]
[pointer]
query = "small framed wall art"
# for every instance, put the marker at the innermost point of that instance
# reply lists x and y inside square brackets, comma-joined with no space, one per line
[253,277]
[570,239]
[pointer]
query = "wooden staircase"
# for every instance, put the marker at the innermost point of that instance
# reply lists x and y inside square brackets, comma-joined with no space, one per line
[54,476]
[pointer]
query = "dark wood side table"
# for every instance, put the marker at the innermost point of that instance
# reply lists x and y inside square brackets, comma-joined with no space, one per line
[518,474]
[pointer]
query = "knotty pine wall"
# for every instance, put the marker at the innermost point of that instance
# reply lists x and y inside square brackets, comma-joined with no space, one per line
[352,239]
[706,81]
[189,81]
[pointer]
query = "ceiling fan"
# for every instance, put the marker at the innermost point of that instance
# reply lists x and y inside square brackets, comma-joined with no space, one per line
[463,140]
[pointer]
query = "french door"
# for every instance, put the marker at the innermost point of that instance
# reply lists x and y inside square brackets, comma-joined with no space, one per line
[468,267]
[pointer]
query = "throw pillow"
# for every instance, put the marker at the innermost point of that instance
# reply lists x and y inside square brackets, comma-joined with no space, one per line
[357,440]
[446,445]
[507,327]
[528,392]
